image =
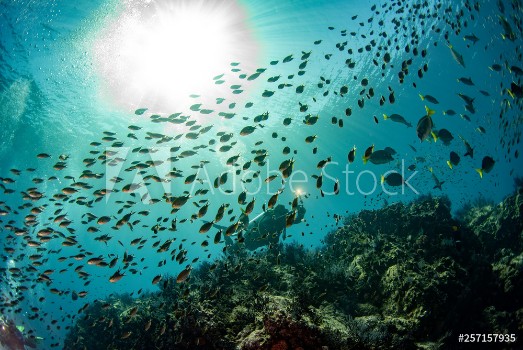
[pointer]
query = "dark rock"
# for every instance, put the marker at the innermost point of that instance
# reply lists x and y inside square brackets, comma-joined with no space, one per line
[406,276]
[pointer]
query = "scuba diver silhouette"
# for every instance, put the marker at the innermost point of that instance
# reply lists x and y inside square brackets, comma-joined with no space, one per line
[265,228]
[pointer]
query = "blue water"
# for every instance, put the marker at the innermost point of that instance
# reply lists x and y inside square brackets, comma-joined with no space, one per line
[55,99]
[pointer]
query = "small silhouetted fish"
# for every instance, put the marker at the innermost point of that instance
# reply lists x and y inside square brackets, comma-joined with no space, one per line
[444,135]
[425,124]
[495,67]
[218,237]
[429,98]
[457,56]
[515,90]
[472,38]
[466,81]
[116,277]
[182,276]
[247,130]
[516,70]
[454,159]
[310,139]
[367,154]
[103,220]
[380,157]
[398,119]
[392,179]
[486,165]
[437,183]
[352,154]
[470,150]
[206,227]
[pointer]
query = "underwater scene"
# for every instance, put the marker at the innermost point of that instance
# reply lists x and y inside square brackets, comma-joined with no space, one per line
[247,174]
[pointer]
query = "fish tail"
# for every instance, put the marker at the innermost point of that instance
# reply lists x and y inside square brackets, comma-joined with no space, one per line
[422,97]
[385,116]
[429,111]
[480,172]
[438,186]
[449,164]
[365,160]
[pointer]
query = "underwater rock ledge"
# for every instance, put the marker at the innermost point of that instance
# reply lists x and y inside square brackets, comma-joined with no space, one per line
[405,276]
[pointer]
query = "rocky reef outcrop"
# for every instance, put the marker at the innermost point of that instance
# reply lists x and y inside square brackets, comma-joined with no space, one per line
[406,276]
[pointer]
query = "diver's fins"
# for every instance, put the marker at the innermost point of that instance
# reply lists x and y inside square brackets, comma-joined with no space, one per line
[220,227]
[228,240]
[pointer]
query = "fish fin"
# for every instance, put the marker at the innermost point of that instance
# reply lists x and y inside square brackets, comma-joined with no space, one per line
[429,111]
[422,97]
[385,116]
[382,179]
[510,93]
[480,172]
[503,36]
[449,164]
[434,136]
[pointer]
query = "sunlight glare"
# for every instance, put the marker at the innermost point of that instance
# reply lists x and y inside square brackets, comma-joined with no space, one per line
[157,55]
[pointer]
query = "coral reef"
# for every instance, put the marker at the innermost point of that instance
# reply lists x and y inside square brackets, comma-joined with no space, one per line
[406,276]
